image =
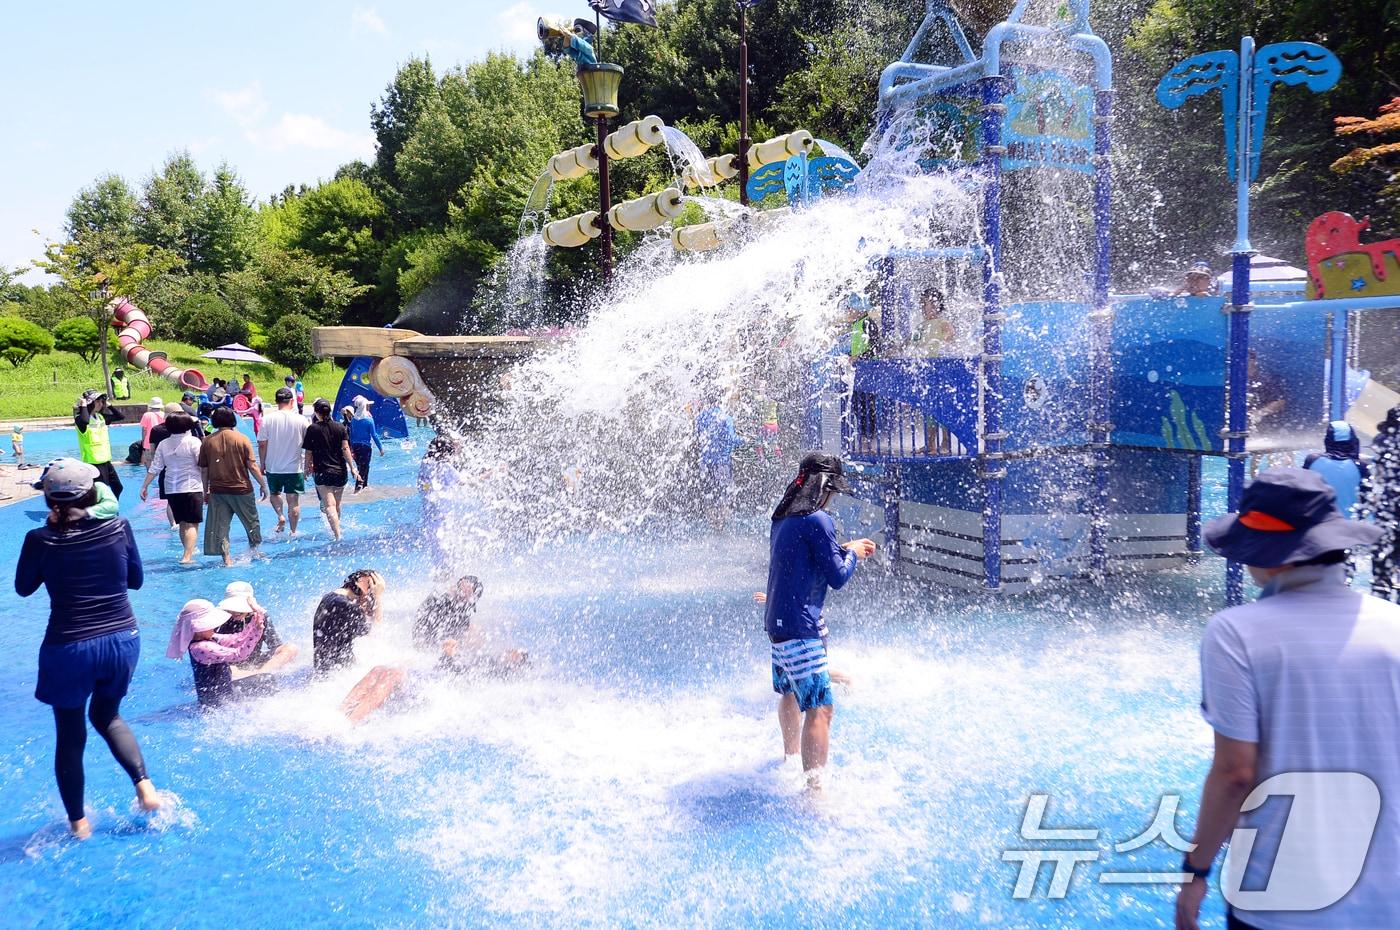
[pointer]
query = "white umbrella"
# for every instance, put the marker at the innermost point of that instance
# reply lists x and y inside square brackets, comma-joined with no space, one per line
[236,352]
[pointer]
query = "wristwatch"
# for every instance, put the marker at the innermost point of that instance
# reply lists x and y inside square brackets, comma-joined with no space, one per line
[1186,866]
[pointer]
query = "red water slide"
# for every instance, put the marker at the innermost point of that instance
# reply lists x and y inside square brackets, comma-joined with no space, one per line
[132,328]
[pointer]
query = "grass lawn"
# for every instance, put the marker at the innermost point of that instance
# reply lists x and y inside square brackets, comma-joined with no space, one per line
[48,385]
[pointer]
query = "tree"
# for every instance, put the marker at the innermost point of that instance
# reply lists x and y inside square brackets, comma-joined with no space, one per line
[289,342]
[225,225]
[169,213]
[206,321]
[91,277]
[45,307]
[344,225]
[281,281]
[106,209]
[78,335]
[393,119]
[1381,156]
[21,340]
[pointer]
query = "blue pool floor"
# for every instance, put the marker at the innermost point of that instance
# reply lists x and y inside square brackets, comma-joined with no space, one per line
[631,778]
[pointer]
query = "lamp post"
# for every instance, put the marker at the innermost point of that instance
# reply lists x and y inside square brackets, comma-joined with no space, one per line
[600,83]
[102,290]
[744,140]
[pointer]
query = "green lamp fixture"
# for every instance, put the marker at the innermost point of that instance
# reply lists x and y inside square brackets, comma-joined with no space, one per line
[600,85]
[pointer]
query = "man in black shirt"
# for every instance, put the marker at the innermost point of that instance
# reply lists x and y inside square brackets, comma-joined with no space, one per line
[344,615]
[328,458]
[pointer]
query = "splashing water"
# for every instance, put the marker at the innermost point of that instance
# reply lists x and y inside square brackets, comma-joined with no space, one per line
[686,154]
[612,406]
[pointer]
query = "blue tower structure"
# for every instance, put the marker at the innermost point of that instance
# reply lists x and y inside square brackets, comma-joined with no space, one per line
[1067,439]
[966,452]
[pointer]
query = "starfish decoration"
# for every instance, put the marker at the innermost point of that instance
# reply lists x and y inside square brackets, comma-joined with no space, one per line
[1358,284]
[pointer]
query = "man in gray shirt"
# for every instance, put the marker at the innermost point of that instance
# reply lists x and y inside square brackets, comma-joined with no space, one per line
[1302,688]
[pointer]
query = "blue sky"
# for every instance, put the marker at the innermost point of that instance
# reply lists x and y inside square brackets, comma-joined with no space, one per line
[279,90]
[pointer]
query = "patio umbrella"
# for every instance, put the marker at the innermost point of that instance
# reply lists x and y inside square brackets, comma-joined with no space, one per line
[236,352]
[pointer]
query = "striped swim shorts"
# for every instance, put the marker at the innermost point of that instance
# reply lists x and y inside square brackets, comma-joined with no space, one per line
[799,668]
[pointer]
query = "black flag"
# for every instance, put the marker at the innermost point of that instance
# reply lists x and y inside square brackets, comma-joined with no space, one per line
[627,11]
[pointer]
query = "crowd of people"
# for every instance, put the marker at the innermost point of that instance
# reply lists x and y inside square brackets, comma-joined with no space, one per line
[208,472]
[86,557]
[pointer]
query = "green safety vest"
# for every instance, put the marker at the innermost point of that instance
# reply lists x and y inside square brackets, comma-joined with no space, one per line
[863,334]
[121,389]
[93,445]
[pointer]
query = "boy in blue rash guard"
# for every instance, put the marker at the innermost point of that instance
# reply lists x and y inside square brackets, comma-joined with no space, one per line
[1341,466]
[805,560]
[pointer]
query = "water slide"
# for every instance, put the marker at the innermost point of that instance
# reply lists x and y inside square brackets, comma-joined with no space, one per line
[133,327]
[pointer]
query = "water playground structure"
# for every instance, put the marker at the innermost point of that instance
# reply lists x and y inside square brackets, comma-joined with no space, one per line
[1062,436]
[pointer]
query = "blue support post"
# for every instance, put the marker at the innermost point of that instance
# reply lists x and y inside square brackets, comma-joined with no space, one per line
[1193,504]
[1237,428]
[992,461]
[1100,430]
[1337,389]
[893,493]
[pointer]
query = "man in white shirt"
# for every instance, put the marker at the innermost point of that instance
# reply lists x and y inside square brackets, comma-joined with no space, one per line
[279,448]
[1302,688]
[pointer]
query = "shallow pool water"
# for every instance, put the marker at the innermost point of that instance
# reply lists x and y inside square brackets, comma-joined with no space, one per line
[631,778]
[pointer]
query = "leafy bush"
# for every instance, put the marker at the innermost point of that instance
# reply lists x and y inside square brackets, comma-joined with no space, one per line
[289,342]
[21,340]
[205,320]
[79,335]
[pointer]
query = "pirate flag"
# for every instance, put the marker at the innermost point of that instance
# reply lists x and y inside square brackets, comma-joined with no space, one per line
[627,11]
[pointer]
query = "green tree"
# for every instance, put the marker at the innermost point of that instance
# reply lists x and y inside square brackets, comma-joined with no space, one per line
[344,225]
[78,335]
[225,225]
[289,342]
[92,277]
[395,116]
[171,208]
[21,340]
[206,321]
[45,307]
[106,209]
[281,281]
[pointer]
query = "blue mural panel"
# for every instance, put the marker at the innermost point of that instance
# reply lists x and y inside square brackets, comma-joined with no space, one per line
[1169,373]
[1049,122]
[1045,378]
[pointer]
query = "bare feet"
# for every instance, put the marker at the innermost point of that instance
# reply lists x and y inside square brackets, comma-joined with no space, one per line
[187,561]
[814,782]
[228,561]
[281,525]
[256,554]
[80,828]
[146,795]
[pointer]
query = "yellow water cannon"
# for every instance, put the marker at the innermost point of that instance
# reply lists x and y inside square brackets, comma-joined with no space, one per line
[780,149]
[721,169]
[647,212]
[636,138]
[704,237]
[574,163]
[573,232]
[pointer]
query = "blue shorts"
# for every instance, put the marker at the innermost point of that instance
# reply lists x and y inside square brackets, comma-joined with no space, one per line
[799,668]
[70,673]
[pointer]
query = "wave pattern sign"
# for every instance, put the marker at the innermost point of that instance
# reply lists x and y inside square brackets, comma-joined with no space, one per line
[1049,123]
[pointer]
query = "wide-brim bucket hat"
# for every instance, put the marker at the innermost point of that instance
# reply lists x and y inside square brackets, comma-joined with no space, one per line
[1287,516]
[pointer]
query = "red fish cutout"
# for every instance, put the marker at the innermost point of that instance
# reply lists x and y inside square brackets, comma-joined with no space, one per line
[1337,233]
